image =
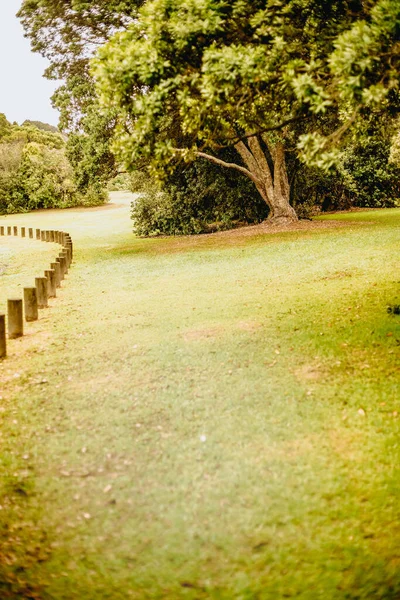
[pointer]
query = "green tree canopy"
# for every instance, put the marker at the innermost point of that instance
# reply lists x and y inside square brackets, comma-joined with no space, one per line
[67,33]
[190,76]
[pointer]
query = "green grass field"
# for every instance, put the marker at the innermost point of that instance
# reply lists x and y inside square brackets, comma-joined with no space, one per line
[209,417]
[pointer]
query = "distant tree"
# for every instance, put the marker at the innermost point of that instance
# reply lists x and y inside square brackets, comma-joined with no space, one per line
[89,152]
[30,133]
[35,172]
[5,126]
[41,125]
[68,33]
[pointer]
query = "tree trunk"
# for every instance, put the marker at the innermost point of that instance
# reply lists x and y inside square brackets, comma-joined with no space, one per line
[273,187]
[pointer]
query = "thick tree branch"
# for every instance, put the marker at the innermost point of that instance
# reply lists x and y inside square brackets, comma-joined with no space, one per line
[251,161]
[247,156]
[222,163]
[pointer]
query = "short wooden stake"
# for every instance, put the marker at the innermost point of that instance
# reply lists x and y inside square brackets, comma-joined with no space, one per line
[30,232]
[1,230]
[51,236]
[63,270]
[3,342]
[31,304]
[43,236]
[8,230]
[57,273]
[38,234]
[68,255]
[64,253]
[22,231]
[51,283]
[15,319]
[15,230]
[41,286]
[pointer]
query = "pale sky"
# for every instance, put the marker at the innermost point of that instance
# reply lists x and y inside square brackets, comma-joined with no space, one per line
[24,93]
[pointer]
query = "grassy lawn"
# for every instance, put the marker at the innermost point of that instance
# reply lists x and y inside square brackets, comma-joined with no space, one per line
[208,417]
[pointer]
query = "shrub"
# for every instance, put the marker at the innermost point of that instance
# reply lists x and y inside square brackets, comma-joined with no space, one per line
[198,198]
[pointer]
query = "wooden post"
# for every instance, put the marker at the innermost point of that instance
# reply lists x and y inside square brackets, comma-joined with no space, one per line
[22,231]
[38,234]
[15,230]
[2,230]
[68,255]
[51,283]
[51,236]
[30,232]
[61,261]
[64,253]
[31,304]
[43,236]
[15,319]
[41,286]
[8,230]
[57,274]
[3,342]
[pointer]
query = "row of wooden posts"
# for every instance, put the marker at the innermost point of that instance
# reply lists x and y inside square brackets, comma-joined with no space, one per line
[35,298]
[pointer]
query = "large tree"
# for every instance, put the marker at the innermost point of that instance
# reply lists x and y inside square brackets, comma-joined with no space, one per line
[188,77]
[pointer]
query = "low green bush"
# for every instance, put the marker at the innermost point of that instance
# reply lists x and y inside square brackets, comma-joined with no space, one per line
[198,198]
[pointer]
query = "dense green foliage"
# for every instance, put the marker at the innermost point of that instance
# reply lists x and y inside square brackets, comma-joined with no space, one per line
[67,33]
[191,73]
[198,198]
[364,177]
[35,171]
[185,75]
[202,197]
[89,154]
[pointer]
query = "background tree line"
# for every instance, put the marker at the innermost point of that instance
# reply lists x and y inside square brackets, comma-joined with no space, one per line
[40,168]
[227,112]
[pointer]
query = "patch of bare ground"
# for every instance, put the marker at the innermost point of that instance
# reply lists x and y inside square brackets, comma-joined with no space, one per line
[339,275]
[233,237]
[309,372]
[269,228]
[249,325]
[338,442]
[193,335]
